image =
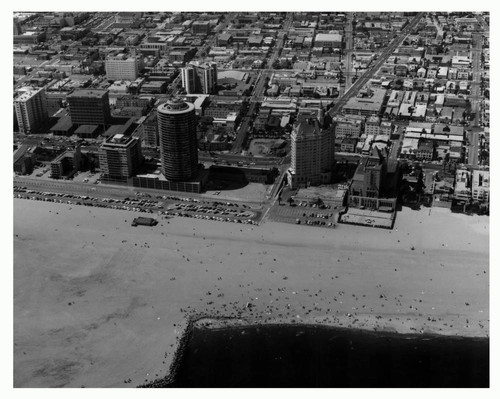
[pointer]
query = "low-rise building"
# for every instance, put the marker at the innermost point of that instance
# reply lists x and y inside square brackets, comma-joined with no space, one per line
[367,145]
[463,184]
[348,144]
[23,160]
[331,40]
[481,185]
[409,148]
[386,127]
[368,102]
[372,125]
[345,128]
[425,151]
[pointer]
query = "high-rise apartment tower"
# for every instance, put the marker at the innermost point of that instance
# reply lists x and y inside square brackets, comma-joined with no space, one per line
[178,141]
[199,78]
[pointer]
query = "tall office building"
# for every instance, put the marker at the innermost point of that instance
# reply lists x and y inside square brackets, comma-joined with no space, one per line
[119,158]
[178,142]
[122,67]
[200,78]
[31,110]
[89,107]
[313,150]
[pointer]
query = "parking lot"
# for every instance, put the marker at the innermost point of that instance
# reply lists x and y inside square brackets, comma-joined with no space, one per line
[43,172]
[87,177]
[305,213]
[215,210]
[129,204]
[168,205]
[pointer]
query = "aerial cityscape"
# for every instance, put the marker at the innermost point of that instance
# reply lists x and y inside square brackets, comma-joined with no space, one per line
[182,175]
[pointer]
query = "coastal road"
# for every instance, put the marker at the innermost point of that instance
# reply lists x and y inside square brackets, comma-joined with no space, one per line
[354,89]
[235,158]
[233,211]
[106,190]
[204,156]
[75,188]
[230,158]
[204,209]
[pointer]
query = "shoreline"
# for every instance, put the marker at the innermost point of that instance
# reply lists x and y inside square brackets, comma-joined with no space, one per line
[207,322]
[215,323]
[98,303]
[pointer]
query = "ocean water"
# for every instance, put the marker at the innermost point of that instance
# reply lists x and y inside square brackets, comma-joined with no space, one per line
[310,356]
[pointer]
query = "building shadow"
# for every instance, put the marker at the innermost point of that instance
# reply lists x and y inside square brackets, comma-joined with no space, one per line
[225,178]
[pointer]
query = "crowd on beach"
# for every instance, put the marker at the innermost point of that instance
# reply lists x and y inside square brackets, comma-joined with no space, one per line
[260,306]
[278,289]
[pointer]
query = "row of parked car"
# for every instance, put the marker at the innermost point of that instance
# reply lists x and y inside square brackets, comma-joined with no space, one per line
[208,217]
[316,223]
[85,200]
[211,209]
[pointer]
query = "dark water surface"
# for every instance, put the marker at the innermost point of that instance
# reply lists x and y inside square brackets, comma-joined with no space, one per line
[310,356]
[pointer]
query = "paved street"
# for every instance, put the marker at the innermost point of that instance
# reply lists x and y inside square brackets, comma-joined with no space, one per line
[245,123]
[474,148]
[220,27]
[349,45]
[259,91]
[358,85]
[475,96]
[188,205]
[248,160]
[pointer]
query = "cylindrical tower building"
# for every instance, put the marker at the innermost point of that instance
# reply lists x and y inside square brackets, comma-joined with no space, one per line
[178,143]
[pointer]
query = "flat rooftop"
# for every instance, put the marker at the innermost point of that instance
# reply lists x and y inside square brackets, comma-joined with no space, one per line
[92,93]
[118,141]
[86,129]
[369,218]
[334,37]
[64,124]
[372,103]
[25,96]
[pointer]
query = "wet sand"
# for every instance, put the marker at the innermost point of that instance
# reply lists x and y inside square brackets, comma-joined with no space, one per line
[98,303]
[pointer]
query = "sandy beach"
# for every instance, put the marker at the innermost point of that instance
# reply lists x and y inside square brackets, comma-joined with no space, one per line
[98,302]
